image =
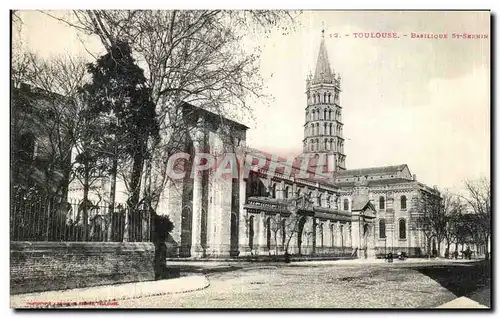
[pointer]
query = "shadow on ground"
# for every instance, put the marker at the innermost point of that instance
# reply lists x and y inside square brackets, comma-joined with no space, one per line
[471,280]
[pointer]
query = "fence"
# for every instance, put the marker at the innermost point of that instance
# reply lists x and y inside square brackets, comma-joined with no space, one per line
[40,219]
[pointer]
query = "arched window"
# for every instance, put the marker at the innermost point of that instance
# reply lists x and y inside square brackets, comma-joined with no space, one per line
[330,114]
[285,193]
[317,128]
[274,191]
[325,128]
[319,199]
[324,98]
[329,96]
[330,132]
[311,129]
[331,145]
[402,229]
[324,113]
[381,203]
[403,202]
[326,144]
[381,228]
[299,192]
[346,205]
[312,145]
[314,98]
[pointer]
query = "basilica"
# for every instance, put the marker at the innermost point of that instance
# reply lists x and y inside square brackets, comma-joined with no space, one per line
[360,213]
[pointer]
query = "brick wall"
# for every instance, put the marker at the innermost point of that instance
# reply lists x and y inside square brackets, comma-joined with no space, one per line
[41,266]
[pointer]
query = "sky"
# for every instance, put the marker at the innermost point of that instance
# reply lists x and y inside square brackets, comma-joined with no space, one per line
[423,102]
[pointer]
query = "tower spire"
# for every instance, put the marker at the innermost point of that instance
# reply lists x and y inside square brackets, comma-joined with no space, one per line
[323,70]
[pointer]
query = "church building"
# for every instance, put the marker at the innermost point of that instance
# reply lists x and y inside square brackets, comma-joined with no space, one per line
[338,212]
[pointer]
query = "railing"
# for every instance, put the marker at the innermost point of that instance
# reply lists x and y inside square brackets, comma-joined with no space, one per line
[40,219]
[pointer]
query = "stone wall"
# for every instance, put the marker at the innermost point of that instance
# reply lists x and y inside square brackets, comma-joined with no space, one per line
[42,266]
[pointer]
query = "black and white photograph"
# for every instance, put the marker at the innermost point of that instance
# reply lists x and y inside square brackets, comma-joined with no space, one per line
[250,159]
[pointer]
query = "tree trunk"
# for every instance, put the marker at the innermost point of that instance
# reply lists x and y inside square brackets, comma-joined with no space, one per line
[277,244]
[429,251]
[85,215]
[135,181]
[112,199]
[486,253]
[439,248]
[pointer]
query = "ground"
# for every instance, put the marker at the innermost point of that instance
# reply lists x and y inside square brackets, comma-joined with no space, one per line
[333,285]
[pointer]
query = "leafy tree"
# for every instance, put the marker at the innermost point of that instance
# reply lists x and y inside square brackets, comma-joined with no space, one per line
[119,97]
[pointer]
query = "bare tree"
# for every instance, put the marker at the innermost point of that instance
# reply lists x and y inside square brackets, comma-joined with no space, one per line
[429,216]
[453,209]
[45,124]
[288,221]
[479,199]
[47,104]
[189,57]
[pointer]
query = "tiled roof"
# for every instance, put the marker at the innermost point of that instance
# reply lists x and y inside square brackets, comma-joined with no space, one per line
[375,182]
[369,171]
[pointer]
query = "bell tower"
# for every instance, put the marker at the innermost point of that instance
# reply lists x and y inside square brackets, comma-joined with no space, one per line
[323,129]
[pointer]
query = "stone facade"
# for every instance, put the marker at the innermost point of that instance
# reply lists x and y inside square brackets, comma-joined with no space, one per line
[338,212]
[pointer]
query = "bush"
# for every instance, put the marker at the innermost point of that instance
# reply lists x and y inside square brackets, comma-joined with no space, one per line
[162,226]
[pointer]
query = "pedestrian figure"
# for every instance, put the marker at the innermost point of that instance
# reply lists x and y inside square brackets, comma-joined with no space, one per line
[390,257]
[468,254]
[287,257]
